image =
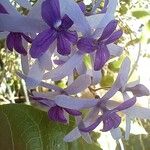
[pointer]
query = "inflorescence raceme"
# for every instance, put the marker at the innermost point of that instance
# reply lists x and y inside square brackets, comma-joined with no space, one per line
[53,39]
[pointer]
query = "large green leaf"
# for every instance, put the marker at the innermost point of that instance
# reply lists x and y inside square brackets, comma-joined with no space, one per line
[24,127]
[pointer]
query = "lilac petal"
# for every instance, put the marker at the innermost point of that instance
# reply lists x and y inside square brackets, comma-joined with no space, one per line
[21,24]
[108,30]
[71,36]
[51,12]
[116,133]
[114,49]
[139,112]
[86,45]
[56,114]
[127,104]
[9,7]
[96,5]
[27,38]
[42,42]
[121,80]
[10,41]
[66,22]
[45,60]
[35,75]
[91,20]
[82,6]
[44,101]
[77,87]
[25,64]
[128,127]
[3,10]
[107,124]
[24,3]
[104,9]
[47,95]
[73,135]
[72,9]
[18,44]
[109,15]
[74,103]
[102,56]
[92,126]
[115,36]
[65,69]
[73,112]
[116,119]
[63,45]
[139,90]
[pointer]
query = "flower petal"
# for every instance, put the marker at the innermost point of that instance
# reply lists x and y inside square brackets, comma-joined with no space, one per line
[109,15]
[82,6]
[56,114]
[102,56]
[10,41]
[114,49]
[74,103]
[18,46]
[92,126]
[139,90]
[18,23]
[65,69]
[77,87]
[126,104]
[9,7]
[73,135]
[66,22]
[121,79]
[71,36]
[108,30]
[73,112]
[3,10]
[51,12]
[116,133]
[24,3]
[115,36]
[42,42]
[63,45]
[72,9]
[86,45]
[91,20]
[107,124]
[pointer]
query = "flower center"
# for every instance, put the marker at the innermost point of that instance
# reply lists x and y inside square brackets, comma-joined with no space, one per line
[57,24]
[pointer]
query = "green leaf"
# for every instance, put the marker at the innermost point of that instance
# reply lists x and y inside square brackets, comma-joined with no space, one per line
[140,13]
[24,127]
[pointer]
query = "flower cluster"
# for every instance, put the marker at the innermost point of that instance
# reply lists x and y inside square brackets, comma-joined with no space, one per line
[53,39]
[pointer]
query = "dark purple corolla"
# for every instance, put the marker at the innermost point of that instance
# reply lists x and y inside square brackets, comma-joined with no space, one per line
[55,112]
[14,39]
[110,118]
[58,29]
[102,55]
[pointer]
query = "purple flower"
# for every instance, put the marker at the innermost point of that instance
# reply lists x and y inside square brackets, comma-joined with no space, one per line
[14,39]
[58,29]
[55,112]
[102,55]
[110,118]
[138,90]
